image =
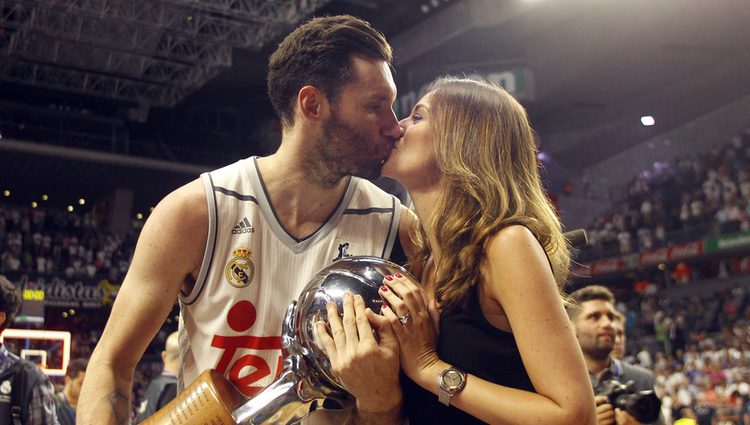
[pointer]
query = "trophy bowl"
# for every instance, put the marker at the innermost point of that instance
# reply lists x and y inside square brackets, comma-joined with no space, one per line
[359,275]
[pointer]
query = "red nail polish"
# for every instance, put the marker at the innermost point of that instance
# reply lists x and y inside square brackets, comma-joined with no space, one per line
[384,288]
[399,275]
[389,277]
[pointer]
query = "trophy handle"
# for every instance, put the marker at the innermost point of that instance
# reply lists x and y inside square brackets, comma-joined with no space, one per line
[287,327]
[210,399]
[293,396]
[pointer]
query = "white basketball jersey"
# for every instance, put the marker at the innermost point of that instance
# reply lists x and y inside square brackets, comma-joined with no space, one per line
[253,268]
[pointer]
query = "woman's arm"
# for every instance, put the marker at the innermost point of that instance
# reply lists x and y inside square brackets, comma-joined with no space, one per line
[517,274]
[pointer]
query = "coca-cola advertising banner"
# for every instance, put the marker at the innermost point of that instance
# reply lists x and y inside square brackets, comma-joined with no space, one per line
[64,292]
[651,257]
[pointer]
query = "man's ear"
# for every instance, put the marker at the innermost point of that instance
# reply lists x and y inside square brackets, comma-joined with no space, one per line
[2,317]
[312,103]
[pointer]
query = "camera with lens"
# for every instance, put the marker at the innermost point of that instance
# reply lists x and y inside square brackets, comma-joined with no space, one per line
[644,406]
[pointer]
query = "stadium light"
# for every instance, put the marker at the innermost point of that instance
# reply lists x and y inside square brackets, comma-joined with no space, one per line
[647,120]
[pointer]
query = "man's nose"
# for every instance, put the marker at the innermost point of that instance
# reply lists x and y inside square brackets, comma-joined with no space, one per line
[394,129]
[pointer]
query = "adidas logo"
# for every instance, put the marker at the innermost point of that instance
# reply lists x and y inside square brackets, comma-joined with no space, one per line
[243,226]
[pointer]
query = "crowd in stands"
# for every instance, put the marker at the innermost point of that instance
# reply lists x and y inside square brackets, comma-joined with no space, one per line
[698,347]
[54,242]
[677,202]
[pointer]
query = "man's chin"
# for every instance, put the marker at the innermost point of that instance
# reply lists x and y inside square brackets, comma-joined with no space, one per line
[369,172]
[602,353]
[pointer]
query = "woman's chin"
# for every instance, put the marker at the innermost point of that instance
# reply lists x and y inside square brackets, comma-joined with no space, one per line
[388,170]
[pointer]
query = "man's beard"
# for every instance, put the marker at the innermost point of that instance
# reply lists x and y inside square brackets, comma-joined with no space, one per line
[344,150]
[600,351]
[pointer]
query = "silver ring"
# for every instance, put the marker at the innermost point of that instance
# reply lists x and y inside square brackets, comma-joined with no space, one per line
[403,319]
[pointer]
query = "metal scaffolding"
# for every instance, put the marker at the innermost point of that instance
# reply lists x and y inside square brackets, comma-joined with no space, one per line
[153,52]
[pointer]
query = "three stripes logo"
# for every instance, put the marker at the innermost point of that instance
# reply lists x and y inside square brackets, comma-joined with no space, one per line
[243,226]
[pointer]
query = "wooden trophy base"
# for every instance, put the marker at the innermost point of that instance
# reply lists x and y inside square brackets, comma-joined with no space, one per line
[209,400]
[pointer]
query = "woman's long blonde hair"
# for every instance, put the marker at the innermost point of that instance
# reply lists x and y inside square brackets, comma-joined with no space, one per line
[486,152]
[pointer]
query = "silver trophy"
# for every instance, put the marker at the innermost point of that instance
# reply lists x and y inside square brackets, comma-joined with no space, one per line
[307,381]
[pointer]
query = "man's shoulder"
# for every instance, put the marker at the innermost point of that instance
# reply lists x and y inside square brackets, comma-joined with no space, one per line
[32,371]
[644,378]
[632,368]
[164,379]
[25,372]
[234,168]
[371,191]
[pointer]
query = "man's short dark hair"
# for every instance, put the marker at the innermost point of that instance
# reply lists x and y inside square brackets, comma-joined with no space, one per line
[319,53]
[75,367]
[588,293]
[10,301]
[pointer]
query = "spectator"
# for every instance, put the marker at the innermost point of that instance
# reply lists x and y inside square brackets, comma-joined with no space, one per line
[30,389]
[618,349]
[67,399]
[164,388]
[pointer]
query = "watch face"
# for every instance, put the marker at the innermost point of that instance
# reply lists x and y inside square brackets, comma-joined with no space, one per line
[453,379]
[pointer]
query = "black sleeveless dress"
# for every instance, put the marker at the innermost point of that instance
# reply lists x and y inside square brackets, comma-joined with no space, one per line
[471,343]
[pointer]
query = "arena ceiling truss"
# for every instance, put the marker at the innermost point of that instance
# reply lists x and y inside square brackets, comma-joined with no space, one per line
[151,52]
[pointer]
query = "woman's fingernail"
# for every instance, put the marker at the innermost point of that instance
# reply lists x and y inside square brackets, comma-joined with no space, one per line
[389,277]
[384,288]
[399,275]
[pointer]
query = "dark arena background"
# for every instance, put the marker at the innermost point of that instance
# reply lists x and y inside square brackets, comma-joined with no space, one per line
[641,108]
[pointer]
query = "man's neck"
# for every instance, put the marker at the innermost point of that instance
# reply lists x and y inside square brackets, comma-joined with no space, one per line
[171,369]
[301,203]
[596,366]
[72,401]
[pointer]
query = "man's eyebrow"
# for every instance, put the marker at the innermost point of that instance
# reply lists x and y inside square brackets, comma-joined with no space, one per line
[381,97]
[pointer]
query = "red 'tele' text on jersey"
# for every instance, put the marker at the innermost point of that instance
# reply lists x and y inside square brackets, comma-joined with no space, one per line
[241,317]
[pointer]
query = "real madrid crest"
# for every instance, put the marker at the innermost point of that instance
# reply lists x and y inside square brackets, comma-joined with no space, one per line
[5,388]
[240,270]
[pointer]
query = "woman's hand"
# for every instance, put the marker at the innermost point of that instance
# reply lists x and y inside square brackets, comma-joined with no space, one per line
[406,308]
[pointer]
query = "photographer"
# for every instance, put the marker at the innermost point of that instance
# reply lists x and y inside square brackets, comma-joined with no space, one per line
[593,316]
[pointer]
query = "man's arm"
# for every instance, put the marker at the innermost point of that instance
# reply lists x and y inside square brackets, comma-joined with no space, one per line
[169,249]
